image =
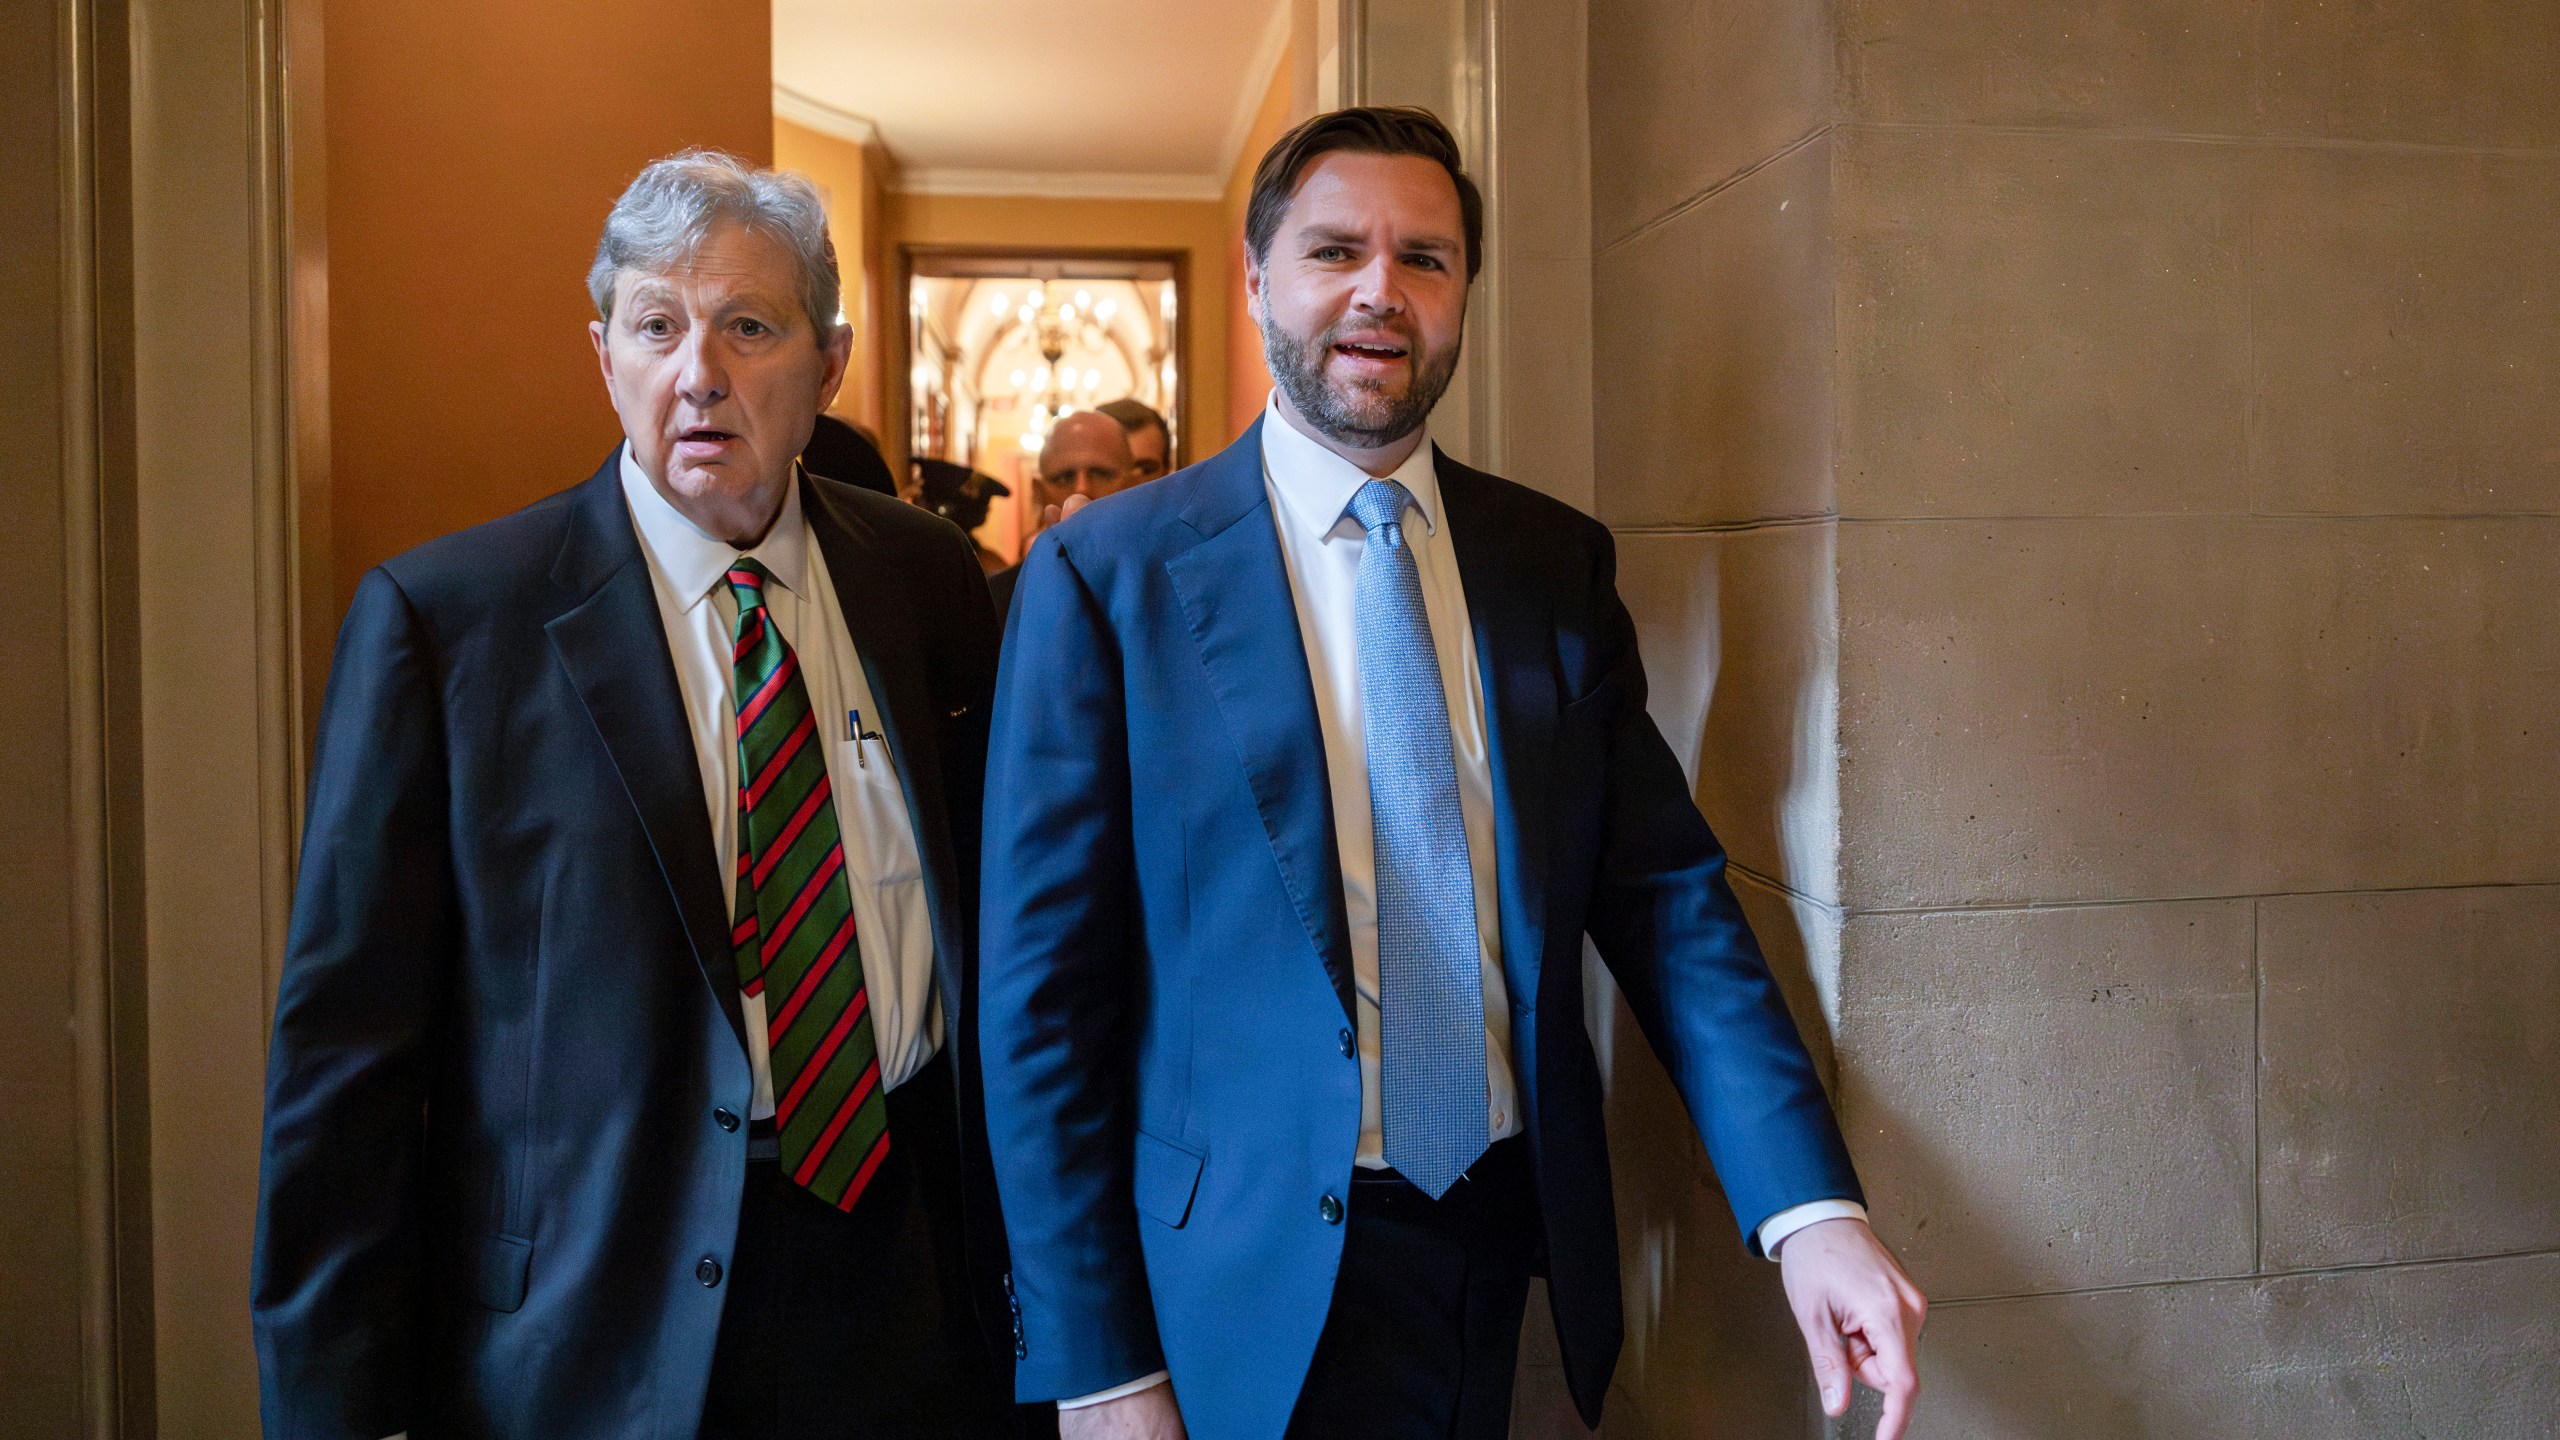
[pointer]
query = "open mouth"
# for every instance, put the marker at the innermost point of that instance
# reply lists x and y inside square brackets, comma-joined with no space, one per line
[705,435]
[1376,352]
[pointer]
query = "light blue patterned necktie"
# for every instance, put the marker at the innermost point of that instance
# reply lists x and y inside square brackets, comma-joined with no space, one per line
[1430,971]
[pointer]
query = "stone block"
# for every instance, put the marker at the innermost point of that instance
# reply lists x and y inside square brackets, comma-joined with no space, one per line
[2408,1067]
[1687,93]
[1712,337]
[2411,674]
[2183,66]
[2040,325]
[1740,641]
[2445,72]
[2047,710]
[2044,1100]
[2406,313]
[2463,1351]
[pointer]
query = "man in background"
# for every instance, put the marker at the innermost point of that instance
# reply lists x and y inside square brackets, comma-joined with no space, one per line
[1086,457]
[1150,442]
[962,496]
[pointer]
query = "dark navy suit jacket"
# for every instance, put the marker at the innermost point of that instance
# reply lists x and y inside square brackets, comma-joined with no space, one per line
[509,1016]
[1166,969]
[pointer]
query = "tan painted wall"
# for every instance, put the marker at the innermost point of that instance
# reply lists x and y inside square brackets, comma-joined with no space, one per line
[1248,379]
[850,176]
[474,148]
[1194,227]
[2089,481]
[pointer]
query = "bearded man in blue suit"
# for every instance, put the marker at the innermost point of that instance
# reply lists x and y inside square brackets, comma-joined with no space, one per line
[1313,767]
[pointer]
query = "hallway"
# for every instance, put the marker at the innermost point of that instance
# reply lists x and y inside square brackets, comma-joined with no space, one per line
[2082,478]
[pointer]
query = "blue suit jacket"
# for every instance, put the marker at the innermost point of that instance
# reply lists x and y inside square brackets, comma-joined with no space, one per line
[509,1012]
[1166,970]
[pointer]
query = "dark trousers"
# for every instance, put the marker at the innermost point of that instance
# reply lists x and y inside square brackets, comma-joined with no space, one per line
[857,1325]
[1424,1332]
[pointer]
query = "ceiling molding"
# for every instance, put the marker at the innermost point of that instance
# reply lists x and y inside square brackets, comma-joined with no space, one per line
[1268,55]
[826,119]
[1061,185]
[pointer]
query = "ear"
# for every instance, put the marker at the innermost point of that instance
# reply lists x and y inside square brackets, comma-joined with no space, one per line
[602,335]
[1252,286]
[839,358]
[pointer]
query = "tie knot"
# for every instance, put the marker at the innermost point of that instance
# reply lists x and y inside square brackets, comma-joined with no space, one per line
[1380,502]
[747,579]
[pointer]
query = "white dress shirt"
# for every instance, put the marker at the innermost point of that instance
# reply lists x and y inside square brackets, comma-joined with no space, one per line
[882,867]
[1321,544]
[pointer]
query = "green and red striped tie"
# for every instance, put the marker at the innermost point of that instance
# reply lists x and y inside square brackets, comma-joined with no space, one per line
[794,930]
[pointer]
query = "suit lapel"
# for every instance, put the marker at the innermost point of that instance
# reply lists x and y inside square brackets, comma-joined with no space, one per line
[881,619]
[1515,644]
[614,648]
[1234,590]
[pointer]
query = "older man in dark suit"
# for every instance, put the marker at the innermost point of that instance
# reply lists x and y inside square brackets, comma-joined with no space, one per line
[622,1081]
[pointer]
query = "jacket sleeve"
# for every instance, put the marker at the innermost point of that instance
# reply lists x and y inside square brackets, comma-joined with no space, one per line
[335,1286]
[1664,919]
[1058,990]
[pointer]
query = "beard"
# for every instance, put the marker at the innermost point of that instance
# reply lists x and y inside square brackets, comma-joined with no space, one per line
[1363,414]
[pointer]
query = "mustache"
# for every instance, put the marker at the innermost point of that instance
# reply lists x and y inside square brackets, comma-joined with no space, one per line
[1398,326]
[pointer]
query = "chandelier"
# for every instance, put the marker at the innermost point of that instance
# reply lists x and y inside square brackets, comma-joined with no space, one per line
[1056,319]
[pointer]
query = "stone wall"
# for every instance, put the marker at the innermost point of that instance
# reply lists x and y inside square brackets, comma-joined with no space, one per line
[2087,475]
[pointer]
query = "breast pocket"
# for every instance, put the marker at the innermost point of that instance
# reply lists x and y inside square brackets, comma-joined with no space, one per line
[871,809]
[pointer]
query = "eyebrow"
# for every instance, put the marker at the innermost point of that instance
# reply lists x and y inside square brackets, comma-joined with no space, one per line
[1337,235]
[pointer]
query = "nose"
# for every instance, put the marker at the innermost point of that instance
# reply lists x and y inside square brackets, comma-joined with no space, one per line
[702,379]
[1377,289]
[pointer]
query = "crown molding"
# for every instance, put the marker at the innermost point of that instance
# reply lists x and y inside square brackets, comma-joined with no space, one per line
[1268,55]
[1061,184]
[826,119]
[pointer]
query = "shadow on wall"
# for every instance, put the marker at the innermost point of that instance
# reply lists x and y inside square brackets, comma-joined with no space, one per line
[1711,1348]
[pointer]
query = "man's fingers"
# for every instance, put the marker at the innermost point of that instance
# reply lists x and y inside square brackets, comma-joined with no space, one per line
[1897,1410]
[1891,1370]
[1831,1368]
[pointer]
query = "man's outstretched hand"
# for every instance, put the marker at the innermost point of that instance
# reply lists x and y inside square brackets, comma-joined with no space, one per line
[1149,1414]
[1860,1316]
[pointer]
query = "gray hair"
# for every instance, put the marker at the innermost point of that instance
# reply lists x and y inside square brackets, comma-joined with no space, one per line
[659,224]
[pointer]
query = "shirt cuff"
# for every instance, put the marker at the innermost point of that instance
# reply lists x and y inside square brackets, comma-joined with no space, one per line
[1775,1230]
[1143,1382]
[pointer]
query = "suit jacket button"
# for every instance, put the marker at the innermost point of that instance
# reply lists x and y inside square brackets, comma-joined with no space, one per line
[1346,1044]
[725,1119]
[708,1272]
[1330,1209]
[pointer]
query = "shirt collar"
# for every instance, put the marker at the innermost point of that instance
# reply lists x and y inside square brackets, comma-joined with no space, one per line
[691,560]
[1315,485]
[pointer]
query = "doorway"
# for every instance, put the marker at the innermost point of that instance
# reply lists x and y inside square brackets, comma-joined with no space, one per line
[1002,343]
